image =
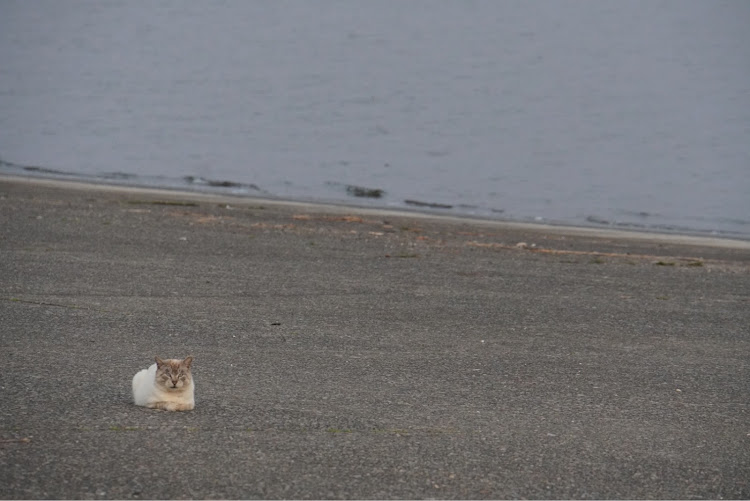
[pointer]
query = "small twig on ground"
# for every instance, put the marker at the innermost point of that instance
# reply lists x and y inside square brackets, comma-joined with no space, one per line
[24,440]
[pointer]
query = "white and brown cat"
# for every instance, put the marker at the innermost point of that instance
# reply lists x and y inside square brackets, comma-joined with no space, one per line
[167,384]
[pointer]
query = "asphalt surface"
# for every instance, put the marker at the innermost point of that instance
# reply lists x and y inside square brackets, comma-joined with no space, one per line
[349,353]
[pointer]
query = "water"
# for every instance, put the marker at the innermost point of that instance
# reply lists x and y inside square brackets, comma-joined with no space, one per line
[626,114]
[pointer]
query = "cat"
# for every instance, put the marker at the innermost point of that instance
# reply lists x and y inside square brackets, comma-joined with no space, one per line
[167,384]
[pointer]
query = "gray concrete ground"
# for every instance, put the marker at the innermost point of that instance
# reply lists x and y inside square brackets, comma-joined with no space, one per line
[347,353]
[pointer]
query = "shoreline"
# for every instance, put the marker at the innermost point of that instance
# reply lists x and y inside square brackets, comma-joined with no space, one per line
[655,237]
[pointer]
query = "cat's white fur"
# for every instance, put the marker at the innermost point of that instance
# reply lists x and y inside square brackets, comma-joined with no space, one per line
[147,392]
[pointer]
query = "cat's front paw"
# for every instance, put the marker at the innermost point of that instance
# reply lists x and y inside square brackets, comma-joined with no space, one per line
[183,407]
[172,406]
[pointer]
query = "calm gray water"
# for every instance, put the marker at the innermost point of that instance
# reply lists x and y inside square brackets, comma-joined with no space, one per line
[628,114]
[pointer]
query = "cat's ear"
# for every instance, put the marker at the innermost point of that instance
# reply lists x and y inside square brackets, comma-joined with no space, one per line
[188,361]
[159,361]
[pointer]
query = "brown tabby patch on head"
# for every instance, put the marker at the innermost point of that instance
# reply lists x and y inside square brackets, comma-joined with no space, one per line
[173,374]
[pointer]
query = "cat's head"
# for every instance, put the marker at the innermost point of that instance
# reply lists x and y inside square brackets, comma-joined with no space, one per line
[173,374]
